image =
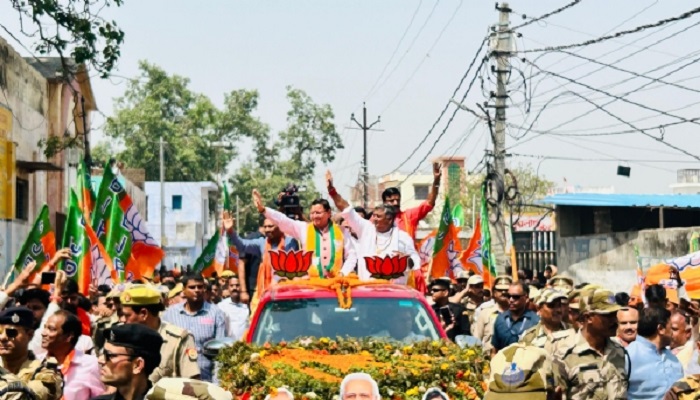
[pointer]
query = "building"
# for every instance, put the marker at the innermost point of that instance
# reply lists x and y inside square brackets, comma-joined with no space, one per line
[190,218]
[42,98]
[688,182]
[598,234]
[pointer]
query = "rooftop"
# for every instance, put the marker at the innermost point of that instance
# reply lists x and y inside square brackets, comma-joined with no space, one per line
[624,200]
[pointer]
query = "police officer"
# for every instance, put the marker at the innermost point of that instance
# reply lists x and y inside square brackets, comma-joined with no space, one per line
[588,365]
[142,305]
[16,330]
[130,354]
[483,328]
[184,389]
[551,327]
[106,322]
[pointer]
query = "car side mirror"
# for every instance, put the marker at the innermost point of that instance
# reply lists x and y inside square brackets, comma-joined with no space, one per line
[467,341]
[211,348]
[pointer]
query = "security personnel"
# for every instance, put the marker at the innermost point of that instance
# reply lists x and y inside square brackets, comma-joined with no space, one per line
[551,329]
[16,331]
[142,305]
[561,282]
[483,328]
[104,323]
[588,365]
[137,345]
[184,389]
[687,388]
[11,388]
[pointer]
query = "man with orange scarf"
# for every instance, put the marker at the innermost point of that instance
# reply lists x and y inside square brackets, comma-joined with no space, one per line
[274,240]
[330,247]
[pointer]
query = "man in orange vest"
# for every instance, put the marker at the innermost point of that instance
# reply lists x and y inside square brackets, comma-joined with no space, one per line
[407,220]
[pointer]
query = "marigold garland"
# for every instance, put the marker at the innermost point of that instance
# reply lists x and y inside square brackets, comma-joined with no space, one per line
[315,367]
[342,285]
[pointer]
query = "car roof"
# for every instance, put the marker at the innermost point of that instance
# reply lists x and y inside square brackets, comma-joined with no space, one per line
[295,291]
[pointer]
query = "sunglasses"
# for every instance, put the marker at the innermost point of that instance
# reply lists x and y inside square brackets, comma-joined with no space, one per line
[435,290]
[109,356]
[515,297]
[11,333]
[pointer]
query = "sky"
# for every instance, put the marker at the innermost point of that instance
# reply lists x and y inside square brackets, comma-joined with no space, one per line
[404,58]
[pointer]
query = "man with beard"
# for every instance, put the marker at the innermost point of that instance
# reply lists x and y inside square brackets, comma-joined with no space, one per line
[237,314]
[142,305]
[274,240]
[204,320]
[486,314]
[588,365]
[511,325]
[16,330]
[551,327]
[131,353]
[627,320]
[654,367]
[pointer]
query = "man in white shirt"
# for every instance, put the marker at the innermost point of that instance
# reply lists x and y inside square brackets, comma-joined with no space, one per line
[376,237]
[236,313]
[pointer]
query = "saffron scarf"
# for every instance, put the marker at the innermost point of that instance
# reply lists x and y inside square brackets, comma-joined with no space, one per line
[265,277]
[313,244]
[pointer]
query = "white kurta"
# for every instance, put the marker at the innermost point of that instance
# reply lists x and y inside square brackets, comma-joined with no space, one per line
[298,229]
[372,243]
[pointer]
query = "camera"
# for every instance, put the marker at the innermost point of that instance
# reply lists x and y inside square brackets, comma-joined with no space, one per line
[289,201]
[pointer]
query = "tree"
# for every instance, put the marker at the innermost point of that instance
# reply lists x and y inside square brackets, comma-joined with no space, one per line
[157,105]
[71,28]
[292,157]
[528,185]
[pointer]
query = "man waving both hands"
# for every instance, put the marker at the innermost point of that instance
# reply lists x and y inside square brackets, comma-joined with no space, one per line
[377,237]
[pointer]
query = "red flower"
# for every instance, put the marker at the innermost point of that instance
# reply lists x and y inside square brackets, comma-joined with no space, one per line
[387,267]
[290,264]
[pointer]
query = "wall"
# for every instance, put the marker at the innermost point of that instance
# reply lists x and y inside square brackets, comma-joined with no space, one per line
[186,230]
[24,91]
[609,259]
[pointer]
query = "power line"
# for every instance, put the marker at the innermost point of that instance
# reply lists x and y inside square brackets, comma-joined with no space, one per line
[545,16]
[640,28]
[548,157]
[444,110]
[396,49]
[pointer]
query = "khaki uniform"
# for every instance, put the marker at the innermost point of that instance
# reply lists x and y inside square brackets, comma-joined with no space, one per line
[43,378]
[469,308]
[101,325]
[483,328]
[538,337]
[181,388]
[12,387]
[687,388]
[583,373]
[178,354]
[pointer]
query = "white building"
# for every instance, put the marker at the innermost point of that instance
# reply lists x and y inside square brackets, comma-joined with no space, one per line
[189,219]
[688,182]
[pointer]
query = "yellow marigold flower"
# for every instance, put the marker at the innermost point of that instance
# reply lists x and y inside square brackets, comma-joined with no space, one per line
[262,353]
[407,349]
[444,350]
[435,343]
[365,353]
[412,392]
[452,358]
[387,347]
[471,353]
[324,340]
[444,366]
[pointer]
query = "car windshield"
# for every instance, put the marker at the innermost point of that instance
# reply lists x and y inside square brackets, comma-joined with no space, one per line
[403,320]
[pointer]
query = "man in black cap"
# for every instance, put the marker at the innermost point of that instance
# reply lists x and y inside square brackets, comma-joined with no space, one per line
[451,315]
[16,330]
[130,354]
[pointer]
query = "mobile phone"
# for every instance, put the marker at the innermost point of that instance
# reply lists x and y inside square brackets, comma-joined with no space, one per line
[48,278]
[446,314]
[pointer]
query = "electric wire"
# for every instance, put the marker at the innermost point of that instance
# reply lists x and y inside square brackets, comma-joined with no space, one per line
[545,16]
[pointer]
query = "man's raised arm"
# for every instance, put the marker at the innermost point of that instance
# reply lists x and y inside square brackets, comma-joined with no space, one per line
[340,203]
[288,226]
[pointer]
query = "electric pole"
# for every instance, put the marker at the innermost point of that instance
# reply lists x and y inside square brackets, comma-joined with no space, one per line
[501,52]
[162,196]
[365,128]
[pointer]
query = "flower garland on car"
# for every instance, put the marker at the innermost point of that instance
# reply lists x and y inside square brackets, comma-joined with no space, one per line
[314,368]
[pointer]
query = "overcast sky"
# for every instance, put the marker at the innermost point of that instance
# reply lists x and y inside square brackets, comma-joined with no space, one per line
[340,52]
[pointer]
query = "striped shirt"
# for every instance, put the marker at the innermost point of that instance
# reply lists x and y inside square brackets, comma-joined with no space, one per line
[206,324]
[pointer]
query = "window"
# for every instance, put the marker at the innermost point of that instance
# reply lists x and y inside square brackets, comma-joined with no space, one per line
[22,199]
[420,192]
[177,202]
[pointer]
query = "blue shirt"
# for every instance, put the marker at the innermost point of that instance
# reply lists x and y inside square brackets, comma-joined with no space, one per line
[257,246]
[506,331]
[206,324]
[653,373]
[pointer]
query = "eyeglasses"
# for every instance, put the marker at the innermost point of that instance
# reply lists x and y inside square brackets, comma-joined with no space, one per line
[109,356]
[515,297]
[435,290]
[11,333]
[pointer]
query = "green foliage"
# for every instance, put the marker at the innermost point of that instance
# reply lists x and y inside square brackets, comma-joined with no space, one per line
[159,105]
[72,28]
[531,187]
[292,157]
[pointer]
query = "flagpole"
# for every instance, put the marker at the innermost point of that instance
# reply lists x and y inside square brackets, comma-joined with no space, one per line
[7,277]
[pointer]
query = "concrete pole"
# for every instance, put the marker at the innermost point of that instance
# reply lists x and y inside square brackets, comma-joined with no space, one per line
[162,196]
[501,53]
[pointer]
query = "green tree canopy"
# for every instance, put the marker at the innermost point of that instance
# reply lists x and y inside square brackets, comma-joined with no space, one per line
[157,105]
[291,157]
